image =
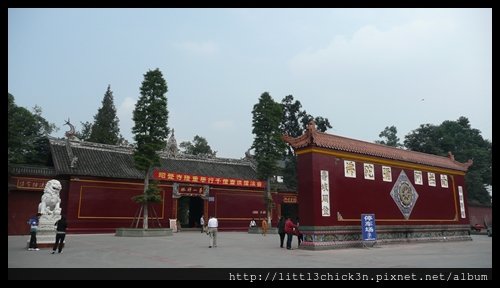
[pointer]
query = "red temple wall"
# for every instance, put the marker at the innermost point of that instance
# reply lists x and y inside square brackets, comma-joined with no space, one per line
[351,197]
[235,208]
[23,200]
[100,205]
[96,205]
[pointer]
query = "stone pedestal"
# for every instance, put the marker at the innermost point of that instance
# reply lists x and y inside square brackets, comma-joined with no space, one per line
[139,232]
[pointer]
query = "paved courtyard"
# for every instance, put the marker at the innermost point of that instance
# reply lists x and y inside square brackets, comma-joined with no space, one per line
[242,250]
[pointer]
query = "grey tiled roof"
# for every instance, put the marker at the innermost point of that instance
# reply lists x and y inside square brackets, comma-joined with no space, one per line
[111,161]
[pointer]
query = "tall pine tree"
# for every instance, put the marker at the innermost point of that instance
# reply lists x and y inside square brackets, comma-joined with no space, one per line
[268,145]
[150,133]
[105,128]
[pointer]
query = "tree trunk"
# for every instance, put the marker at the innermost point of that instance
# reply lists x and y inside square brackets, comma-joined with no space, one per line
[145,205]
[269,201]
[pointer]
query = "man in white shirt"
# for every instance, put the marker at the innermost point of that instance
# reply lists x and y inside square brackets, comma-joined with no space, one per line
[212,231]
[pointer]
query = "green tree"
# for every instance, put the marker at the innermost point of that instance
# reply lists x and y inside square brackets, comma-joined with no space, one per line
[27,132]
[293,117]
[84,134]
[322,124]
[267,144]
[198,147]
[391,137]
[105,128]
[150,133]
[465,143]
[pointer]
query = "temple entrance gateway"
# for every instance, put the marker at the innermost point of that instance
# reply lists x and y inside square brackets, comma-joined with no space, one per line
[290,210]
[189,211]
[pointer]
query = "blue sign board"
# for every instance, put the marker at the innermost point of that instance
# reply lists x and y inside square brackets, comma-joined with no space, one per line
[368,227]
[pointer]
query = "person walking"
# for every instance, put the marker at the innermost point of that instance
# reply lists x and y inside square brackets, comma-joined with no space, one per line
[33,222]
[289,227]
[264,226]
[61,226]
[202,224]
[281,230]
[212,231]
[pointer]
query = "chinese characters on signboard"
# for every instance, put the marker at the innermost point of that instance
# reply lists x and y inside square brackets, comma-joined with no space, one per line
[325,194]
[444,181]
[178,177]
[418,177]
[431,177]
[368,227]
[461,198]
[32,184]
[290,199]
[386,174]
[369,171]
[350,169]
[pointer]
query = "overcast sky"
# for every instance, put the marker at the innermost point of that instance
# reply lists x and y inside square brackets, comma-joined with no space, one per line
[363,69]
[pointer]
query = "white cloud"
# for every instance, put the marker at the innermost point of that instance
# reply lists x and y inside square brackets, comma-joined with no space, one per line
[198,48]
[374,49]
[124,113]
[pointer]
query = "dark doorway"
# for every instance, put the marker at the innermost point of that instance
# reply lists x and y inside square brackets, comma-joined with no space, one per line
[189,211]
[290,210]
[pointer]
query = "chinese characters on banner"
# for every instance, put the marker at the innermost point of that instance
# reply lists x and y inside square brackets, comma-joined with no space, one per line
[461,198]
[368,227]
[289,199]
[325,194]
[179,177]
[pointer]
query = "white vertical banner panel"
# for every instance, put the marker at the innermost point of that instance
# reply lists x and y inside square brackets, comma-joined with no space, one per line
[325,194]
[461,198]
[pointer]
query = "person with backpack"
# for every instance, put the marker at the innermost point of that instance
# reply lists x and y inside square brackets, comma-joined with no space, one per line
[33,222]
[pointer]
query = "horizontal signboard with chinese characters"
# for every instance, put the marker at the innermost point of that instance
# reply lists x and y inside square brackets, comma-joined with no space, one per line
[188,178]
[31,184]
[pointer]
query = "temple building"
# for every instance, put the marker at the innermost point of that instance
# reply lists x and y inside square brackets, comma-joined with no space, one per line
[98,182]
[411,196]
[407,195]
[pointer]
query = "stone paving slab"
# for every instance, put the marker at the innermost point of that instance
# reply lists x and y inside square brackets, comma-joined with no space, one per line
[242,250]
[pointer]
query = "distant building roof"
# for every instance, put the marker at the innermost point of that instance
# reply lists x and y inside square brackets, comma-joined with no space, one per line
[314,138]
[31,170]
[111,161]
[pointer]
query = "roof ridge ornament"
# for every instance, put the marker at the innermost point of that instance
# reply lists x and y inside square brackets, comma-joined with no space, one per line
[171,149]
[72,132]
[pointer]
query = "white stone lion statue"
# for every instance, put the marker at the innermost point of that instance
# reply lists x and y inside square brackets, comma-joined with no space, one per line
[50,203]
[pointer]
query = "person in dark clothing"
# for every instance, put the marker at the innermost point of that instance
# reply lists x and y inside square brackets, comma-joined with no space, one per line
[60,234]
[281,230]
[300,236]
